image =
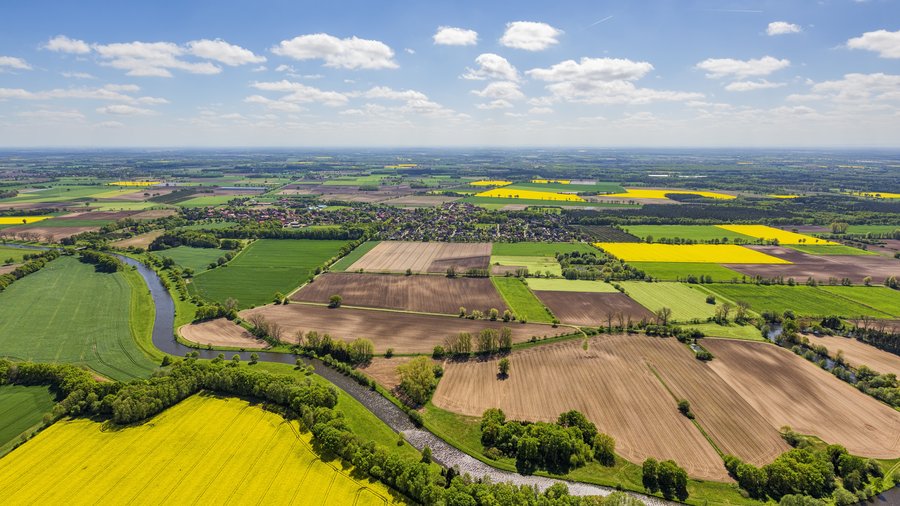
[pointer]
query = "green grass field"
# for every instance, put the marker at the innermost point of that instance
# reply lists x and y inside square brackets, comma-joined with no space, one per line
[700,233]
[214,225]
[686,302]
[570,285]
[372,179]
[731,331]
[877,297]
[539,249]
[68,313]
[520,300]
[192,258]
[568,188]
[349,259]
[480,201]
[803,300]
[824,249]
[211,200]
[264,267]
[59,194]
[15,253]
[678,271]
[872,229]
[21,409]
[534,264]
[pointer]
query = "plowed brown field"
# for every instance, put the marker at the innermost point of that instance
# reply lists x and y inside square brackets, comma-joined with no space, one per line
[397,256]
[803,266]
[590,309]
[404,332]
[788,390]
[221,332]
[428,294]
[858,353]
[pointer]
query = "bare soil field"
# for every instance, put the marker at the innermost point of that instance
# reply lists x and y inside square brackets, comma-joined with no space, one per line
[788,390]
[5,269]
[420,200]
[397,256]
[46,234]
[404,332]
[858,353]
[139,195]
[139,241]
[97,215]
[384,370]
[610,383]
[426,294]
[221,332]
[889,248]
[152,214]
[881,325]
[40,205]
[855,267]
[590,309]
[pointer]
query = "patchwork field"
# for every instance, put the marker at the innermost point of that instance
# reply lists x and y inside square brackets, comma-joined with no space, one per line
[506,193]
[803,300]
[21,408]
[660,194]
[771,234]
[789,390]
[68,313]
[680,271]
[138,241]
[730,331]
[536,265]
[686,302]
[398,256]
[428,294]
[500,202]
[15,254]
[597,233]
[700,233]
[570,285]
[350,258]
[539,249]
[567,187]
[221,332]
[802,266]
[879,298]
[593,309]
[197,259]
[829,249]
[520,300]
[692,253]
[21,220]
[264,267]
[204,450]
[858,353]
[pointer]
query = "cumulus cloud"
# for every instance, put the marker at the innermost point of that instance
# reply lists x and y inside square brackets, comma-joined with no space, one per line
[150,59]
[386,93]
[78,75]
[762,84]
[855,89]
[540,110]
[124,110]
[53,116]
[492,66]
[63,44]
[452,36]
[883,42]
[782,28]
[350,53]
[109,93]
[223,52]
[506,90]
[299,93]
[591,69]
[717,68]
[495,104]
[274,105]
[13,63]
[530,35]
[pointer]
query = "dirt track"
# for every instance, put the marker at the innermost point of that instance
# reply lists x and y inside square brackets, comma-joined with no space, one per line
[404,332]
[590,309]
[855,267]
[788,390]
[858,353]
[221,332]
[397,256]
[428,294]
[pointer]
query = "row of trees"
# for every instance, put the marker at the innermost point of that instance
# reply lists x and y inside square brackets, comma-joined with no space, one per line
[103,262]
[487,342]
[192,238]
[596,265]
[35,262]
[666,477]
[418,379]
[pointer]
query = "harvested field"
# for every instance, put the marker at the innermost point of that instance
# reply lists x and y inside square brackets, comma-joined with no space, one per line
[591,309]
[97,215]
[404,332]
[610,383]
[154,213]
[788,390]
[139,241]
[397,256]
[45,234]
[420,200]
[426,294]
[221,332]
[858,353]
[821,268]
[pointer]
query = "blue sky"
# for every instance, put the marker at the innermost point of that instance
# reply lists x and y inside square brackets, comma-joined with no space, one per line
[499,73]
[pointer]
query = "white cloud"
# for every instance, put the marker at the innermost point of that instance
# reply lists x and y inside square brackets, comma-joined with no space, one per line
[274,105]
[78,75]
[350,53]
[728,67]
[150,59]
[883,42]
[110,92]
[223,52]
[53,116]
[593,69]
[124,110]
[451,36]
[540,110]
[299,93]
[506,90]
[870,90]
[63,44]
[386,93]
[284,68]
[409,50]
[14,63]
[495,104]
[762,84]
[530,35]
[782,28]
[492,66]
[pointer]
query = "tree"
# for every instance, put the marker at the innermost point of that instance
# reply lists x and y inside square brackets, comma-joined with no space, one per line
[741,314]
[672,480]
[451,272]
[839,228]
[235,360]
[335,301]
[493,314]
[684,406]
[505,342]
[649,475]
[426,455]
[417,379]
[605,449]
[503,366]
[254,358]
[867,280]
[360,351]
[663,315]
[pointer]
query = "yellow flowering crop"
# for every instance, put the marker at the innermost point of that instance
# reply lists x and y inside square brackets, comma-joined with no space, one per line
[547,181]
[884,195]
[503,193]
[639,193]
[783,196]
[19,220]
[490,182]
[134,183]
[769,233]
[697,253]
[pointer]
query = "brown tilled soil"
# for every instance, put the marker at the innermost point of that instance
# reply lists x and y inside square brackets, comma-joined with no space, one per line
[880,325]
[139,195]
[152,214]
[97,215]
[420,200]
[384,370]
[139,241]
[788,390]
[221,332]
[590,309]
[427,294]
[41,205]
[404,332]
[5,269]
[613,386]
[858,353]
[46,234]
[397,256]
[855,267]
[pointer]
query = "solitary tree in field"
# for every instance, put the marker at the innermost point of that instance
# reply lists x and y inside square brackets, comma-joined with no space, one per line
[503,366]
[335,301]
[663,315]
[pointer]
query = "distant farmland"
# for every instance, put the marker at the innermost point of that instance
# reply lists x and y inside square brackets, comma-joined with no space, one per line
[802,300]
[686,303]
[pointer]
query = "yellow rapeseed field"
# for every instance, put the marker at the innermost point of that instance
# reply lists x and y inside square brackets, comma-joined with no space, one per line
[769,233]
[640,193]
[134,183]
[883,195]
[490,182]
[697,253]
[204,450]
[19,220]
[783,196]
[547,181]
[529,194]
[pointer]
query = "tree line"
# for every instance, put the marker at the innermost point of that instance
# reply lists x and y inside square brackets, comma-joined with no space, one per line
[35,262]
